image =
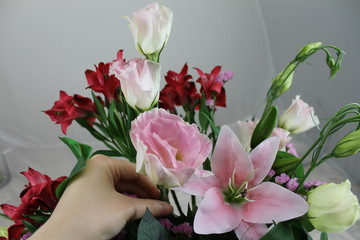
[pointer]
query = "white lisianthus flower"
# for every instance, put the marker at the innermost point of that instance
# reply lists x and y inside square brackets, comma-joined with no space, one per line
[333,207]
[151,28]
[299,117]
[140,81]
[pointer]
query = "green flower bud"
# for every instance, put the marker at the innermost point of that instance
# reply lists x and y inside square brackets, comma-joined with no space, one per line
[282,82]
[307,49]
[349,145]
[333,207]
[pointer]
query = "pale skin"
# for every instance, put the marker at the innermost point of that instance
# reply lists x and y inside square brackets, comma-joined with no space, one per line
[92,206]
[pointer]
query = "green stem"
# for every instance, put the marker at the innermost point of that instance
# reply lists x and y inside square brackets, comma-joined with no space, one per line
[173,194]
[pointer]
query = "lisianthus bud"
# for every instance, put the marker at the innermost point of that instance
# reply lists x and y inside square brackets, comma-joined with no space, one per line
[282,82]
[349,145]
[140,81]
[299,117]
[307,49]
[151,27]
[333,207]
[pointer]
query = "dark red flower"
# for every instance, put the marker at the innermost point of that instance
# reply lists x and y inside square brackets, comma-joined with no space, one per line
[212,87]
[100,81]
[178,90]
[69,108]
[38,195]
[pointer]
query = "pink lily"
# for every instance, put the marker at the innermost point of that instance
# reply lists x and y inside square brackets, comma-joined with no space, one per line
[234,194]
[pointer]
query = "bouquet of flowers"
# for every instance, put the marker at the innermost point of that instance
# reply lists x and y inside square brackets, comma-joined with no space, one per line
[251,186]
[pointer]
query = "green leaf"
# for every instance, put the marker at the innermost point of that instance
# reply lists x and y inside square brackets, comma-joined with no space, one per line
[265,127]
[82,153]
[204,115]
[293,230]
[108,153]
[151,229]
[4,216]
[285,162]
[29,226]
[91,130]
[39,218]
[324,236]
[99,107]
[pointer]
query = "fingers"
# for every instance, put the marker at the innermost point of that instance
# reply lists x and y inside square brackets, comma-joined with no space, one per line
[124,176]
[156,207]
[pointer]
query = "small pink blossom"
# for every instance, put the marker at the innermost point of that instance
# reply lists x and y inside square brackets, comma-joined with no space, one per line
[282,179]
[169,149]
[299,117]
[312,184]
[292,184]
[271,173]
[235,196]
[166,223]
[184,228]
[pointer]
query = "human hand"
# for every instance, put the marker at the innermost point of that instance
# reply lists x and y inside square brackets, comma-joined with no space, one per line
[92,206]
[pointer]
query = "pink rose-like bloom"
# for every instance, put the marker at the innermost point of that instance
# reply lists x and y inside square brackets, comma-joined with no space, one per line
[299,117]
[169,149]
[140,80]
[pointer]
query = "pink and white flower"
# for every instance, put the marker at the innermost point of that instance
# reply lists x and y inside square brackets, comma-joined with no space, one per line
[151,27]
[140,80]
[235,196]
[169,149]
[299,117]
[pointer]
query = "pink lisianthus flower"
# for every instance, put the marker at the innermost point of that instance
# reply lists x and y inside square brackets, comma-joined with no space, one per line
[299,117]
[139,79]
[235,198]
[169,150]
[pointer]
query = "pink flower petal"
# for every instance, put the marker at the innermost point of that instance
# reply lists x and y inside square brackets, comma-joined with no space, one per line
[262,158]
[272,202]
[229,156]
[215,215]
[198,185]
[250,231]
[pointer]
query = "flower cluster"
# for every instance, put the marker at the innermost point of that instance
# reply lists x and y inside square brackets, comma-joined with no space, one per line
[252,186]
[38,200]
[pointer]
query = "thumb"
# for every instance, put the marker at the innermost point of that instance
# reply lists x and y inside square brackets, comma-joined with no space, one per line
[156,207]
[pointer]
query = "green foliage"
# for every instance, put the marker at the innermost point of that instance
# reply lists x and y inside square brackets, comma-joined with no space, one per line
[285,162]
[293,230]
[82,153]
[151,229]
[265,127]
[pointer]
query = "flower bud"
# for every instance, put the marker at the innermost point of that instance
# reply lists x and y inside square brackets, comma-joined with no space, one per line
[307,49]
[299,117]
[282,82]
[333,207]
[349,145]
[151,27]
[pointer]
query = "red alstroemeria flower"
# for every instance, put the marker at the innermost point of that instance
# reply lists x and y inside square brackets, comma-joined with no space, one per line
[178,90]
[212,87]
[38,195]
[100,81]
[69,108]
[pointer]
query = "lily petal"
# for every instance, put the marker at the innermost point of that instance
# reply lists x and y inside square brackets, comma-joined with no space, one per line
[199,183]
[250,231]
[229,156]
[262,158]
[215,215]
[272,202]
